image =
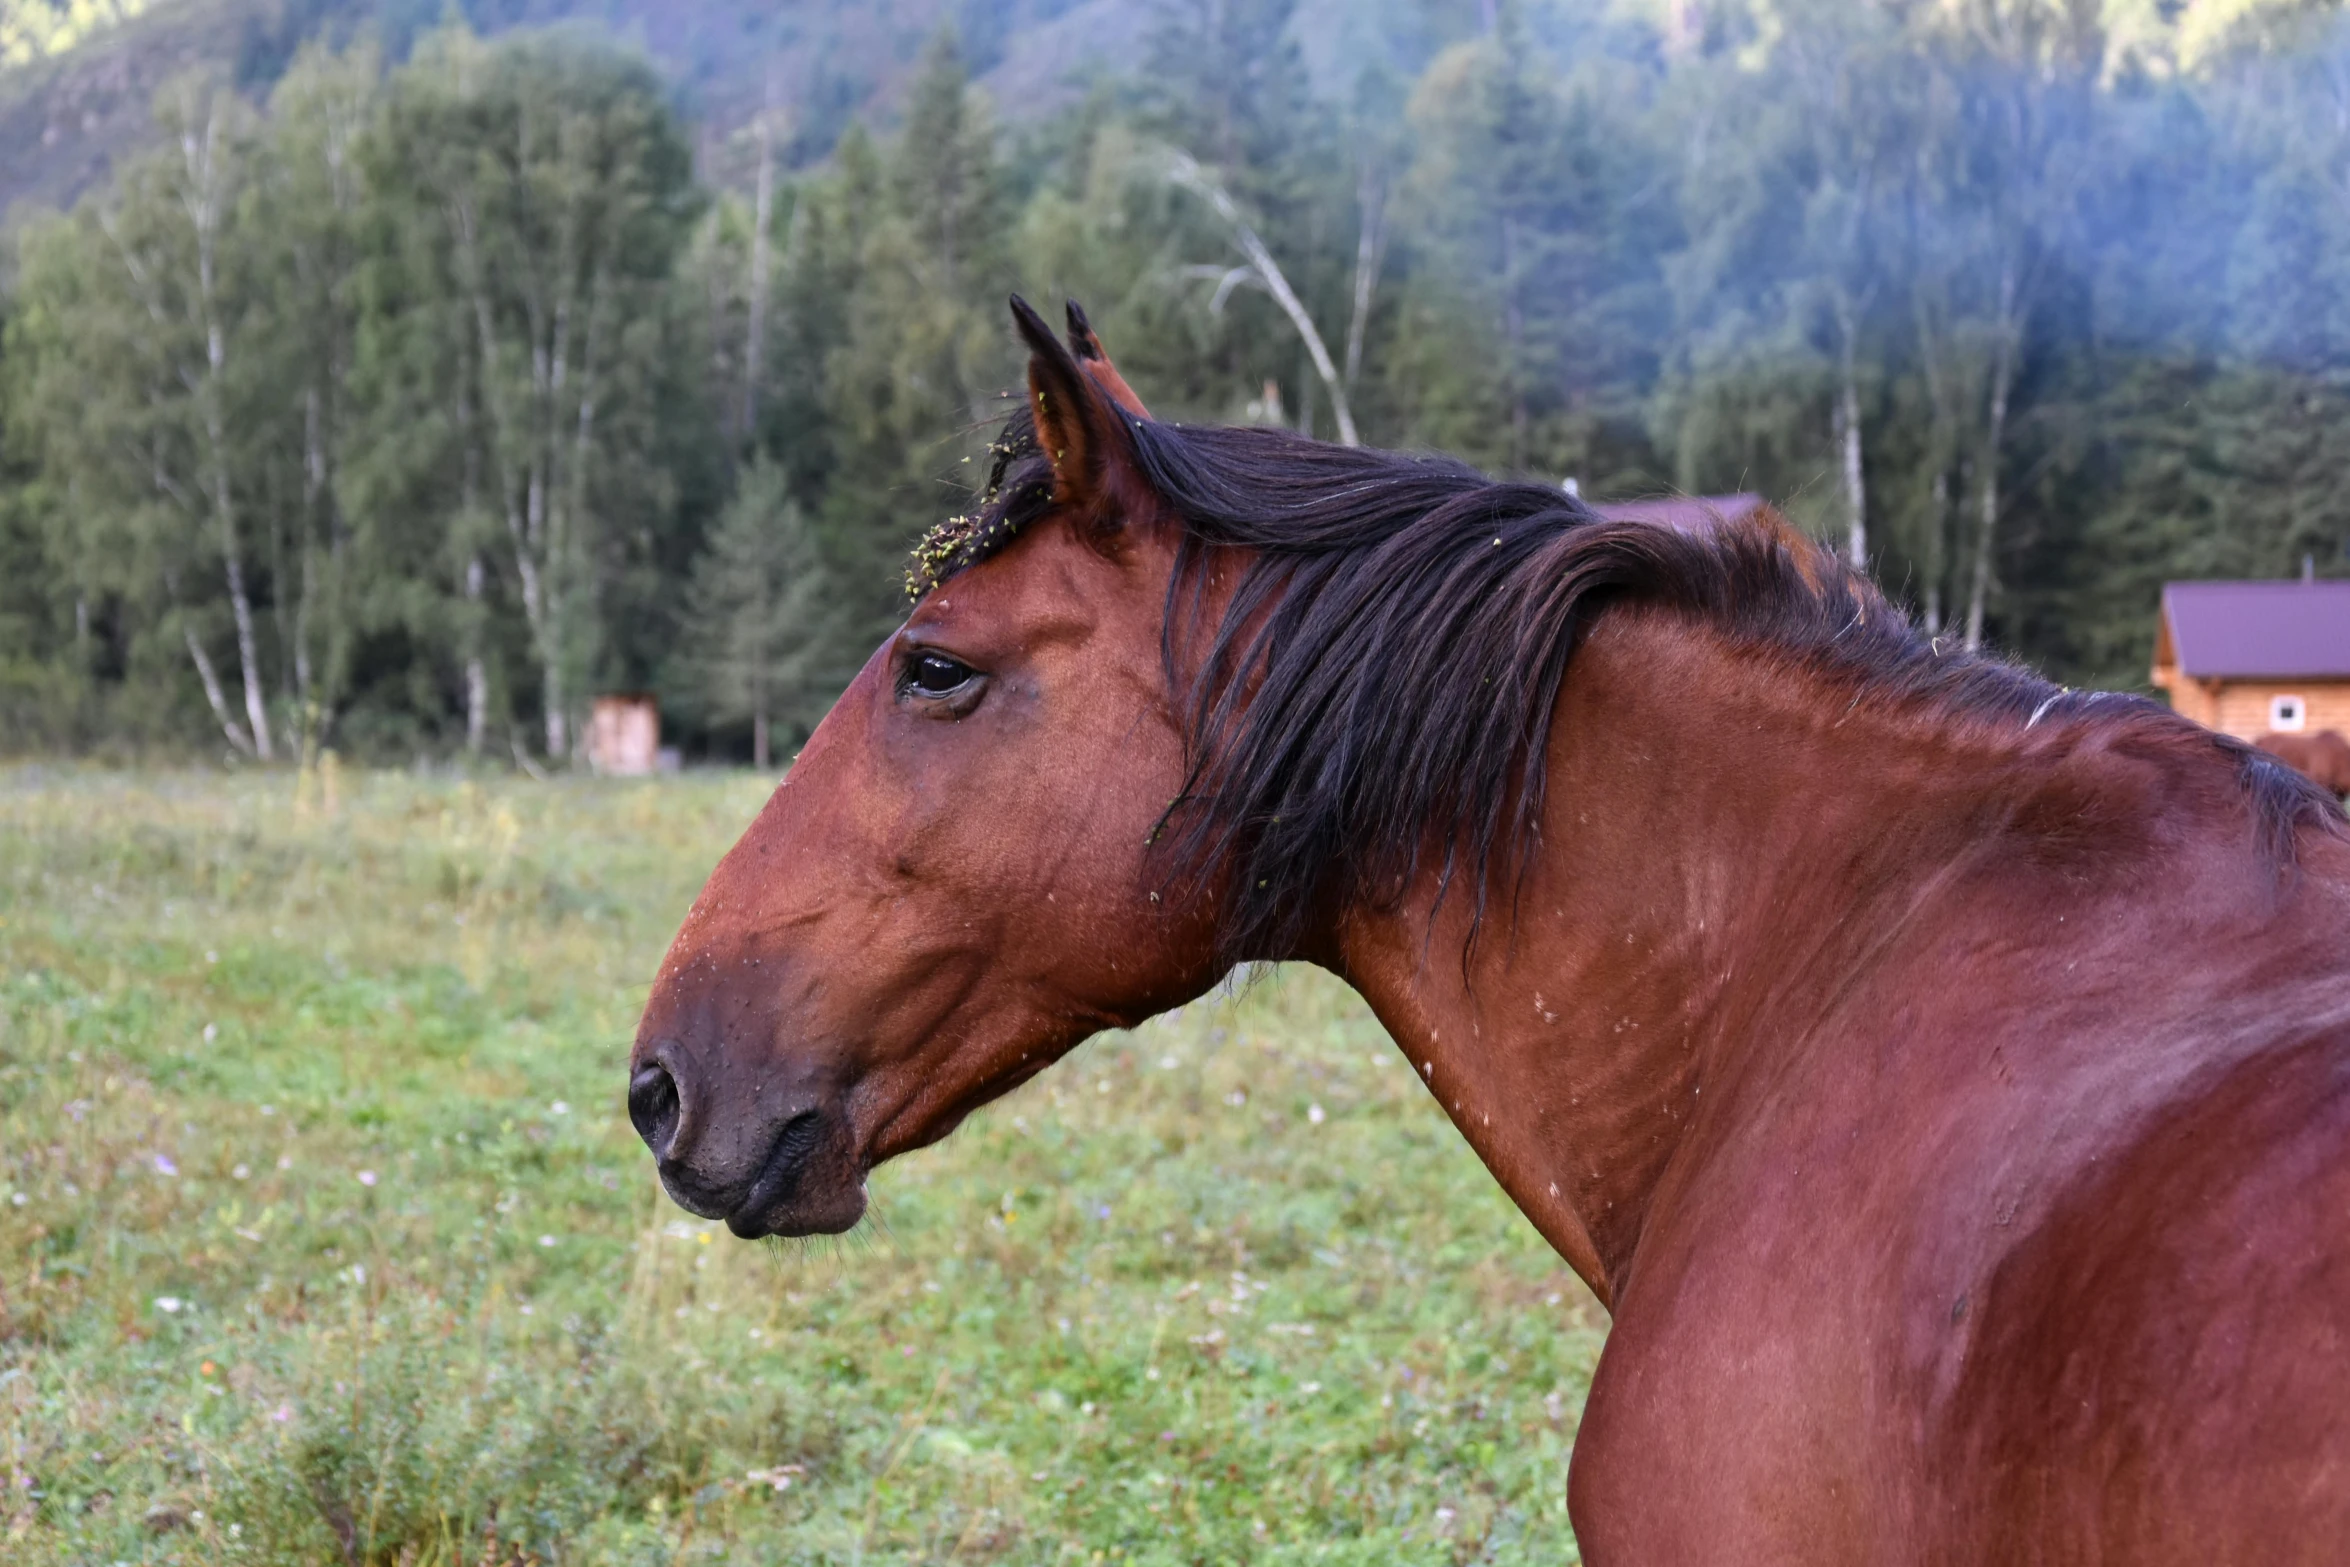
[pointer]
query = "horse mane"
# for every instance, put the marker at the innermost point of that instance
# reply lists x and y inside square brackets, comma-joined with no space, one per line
[1383,676]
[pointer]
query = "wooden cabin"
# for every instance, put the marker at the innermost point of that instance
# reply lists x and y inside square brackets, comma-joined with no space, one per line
[2257,658]
[1690,513]
[624,735]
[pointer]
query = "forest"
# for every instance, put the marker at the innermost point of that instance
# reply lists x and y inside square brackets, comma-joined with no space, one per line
[405,405]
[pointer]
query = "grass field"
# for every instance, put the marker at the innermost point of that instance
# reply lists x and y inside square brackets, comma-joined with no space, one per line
[324,1238]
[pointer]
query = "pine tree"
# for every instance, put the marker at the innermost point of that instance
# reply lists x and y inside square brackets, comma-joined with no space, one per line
[910,379]
[762,624]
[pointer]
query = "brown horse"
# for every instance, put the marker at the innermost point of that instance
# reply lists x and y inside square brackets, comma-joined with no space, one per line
[2324,757]
[1944,1078]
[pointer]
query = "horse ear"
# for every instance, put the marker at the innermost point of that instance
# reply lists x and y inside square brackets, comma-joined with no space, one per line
[1086,344]
[1076,426]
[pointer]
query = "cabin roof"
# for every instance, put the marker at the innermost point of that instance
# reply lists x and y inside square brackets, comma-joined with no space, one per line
[2251,630]
[1683,513]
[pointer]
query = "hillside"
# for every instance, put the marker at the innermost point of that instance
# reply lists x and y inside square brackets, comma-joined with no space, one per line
[67,118]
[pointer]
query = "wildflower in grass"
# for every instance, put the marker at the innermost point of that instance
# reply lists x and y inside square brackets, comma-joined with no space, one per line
[1314,1115]
[164,1166]
[367,1177]
[558,1108]
[168,1304]
[546,1240]
[240,1172]
[18,1199]
[282,1414]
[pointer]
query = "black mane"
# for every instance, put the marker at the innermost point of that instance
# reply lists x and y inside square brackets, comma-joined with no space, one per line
[1384,675]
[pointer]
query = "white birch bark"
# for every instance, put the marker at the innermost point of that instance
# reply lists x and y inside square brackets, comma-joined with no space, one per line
[2005,330]
[1186,172]
[477,673]
[1370,251]
[1848,440]
[204,199]
[216,696]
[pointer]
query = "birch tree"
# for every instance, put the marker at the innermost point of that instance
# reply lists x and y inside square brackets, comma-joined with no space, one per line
[555,192]
[205,123]
[137,313]
[304,220]
[1260,270]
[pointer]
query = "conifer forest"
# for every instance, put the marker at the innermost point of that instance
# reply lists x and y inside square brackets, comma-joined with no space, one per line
[408,384]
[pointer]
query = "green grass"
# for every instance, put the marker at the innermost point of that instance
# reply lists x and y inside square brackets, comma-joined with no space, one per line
[324,1238]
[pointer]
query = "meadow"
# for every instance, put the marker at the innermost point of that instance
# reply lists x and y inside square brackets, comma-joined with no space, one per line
[324,1237]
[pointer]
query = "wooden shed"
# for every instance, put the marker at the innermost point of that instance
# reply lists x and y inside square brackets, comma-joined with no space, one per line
[624,735]
[2256,658]
[1690,513]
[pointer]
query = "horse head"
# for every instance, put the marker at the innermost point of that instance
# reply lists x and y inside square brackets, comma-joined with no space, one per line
[949,890]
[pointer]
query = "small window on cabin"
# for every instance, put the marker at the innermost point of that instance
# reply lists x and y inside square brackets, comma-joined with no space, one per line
[2287,713]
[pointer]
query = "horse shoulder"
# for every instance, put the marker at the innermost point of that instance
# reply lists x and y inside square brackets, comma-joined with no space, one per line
[2157,1370]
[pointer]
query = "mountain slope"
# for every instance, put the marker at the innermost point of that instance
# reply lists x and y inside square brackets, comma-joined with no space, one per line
[67,119]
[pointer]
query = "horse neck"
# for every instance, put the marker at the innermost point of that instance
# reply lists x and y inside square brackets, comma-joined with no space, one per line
[1715,858]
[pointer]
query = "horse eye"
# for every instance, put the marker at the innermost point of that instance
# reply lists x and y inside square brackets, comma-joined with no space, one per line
[934,674]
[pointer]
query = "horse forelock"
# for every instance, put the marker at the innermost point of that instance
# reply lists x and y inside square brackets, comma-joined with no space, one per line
[1379,681]
[1018,494]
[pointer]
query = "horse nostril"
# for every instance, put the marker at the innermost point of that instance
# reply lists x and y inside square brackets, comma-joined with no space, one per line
[653,1107]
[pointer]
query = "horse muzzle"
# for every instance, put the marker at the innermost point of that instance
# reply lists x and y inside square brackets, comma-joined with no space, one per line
[767,1163]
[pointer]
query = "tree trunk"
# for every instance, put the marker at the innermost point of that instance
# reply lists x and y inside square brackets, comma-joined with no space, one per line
[1513,332]
[477,673]
[762,211]
[1370,249]
[1994,436]
[204,205]
[313,493]
[558,721]
[759,751]
[214,695]
[564,522]
[521,501]
[1187,173]
[1937,530]
[1848,438]
[1943,453]
[241,607]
